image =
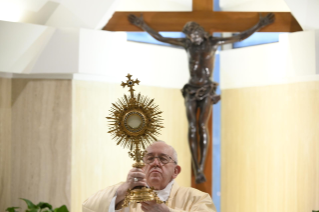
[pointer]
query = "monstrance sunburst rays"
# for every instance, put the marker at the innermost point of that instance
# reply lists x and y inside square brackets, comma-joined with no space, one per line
[130,109]
[146,132]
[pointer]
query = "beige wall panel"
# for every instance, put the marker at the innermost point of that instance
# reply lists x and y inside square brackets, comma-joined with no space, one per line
[97,161]
[171,102]
[41,141]
[5,142]
[270,148]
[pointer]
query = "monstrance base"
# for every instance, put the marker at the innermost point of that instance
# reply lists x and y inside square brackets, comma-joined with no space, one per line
[143,194]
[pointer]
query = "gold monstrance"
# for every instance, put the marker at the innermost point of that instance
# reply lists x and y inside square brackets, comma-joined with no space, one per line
[135,123]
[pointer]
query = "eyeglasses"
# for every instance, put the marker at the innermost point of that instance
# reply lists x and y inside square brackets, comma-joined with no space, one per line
[165,159]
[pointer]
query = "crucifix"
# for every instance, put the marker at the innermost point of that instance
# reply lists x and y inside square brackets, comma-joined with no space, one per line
[199,93]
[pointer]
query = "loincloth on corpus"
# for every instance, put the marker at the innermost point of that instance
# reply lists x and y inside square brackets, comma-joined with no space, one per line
[195,93]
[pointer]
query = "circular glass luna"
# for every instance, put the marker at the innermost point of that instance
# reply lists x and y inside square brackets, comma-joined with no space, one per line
[134,122]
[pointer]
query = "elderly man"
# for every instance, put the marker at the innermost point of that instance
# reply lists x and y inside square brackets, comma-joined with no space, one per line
[159,172]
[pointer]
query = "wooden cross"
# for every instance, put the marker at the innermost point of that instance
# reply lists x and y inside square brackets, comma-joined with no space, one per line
[202,14]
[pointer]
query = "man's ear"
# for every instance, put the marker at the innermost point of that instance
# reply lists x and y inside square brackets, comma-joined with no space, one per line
[177,170]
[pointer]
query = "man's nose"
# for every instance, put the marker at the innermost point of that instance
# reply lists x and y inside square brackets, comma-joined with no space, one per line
[156,161]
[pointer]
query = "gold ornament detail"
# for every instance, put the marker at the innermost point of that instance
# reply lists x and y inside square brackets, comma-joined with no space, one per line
[144,194]
[135,123]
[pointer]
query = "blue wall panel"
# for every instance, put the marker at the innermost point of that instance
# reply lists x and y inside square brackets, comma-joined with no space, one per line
[258,38]
[216,139]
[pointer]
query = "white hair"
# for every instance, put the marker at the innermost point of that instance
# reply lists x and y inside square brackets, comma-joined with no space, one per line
[174,156]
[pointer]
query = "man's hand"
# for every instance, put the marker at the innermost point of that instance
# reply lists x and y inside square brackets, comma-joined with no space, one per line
[130,183]
[137,21]
[152,206]
[139,175]
[268,19]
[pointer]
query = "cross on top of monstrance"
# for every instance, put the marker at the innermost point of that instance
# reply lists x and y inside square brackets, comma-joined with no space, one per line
[130,83]
[135,123]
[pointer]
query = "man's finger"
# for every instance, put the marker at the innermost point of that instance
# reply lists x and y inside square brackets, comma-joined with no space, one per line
[139,184]
[141,180]
[132,171]
[146,205]
[136,170]
[149,203]
[144,208]
[137,175]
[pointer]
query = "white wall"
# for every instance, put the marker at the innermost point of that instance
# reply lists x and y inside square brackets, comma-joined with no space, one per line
[93,14]
[254,5]
[61,54]
[306,12]
[294,58]
[91,54]
[155,5]
[21,44]
[109,55]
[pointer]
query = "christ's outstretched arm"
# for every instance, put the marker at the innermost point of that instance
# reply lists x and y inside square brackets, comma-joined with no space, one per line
[263,21]
[139,22]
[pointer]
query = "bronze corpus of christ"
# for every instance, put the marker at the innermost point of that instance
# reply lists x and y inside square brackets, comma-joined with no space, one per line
[200,91]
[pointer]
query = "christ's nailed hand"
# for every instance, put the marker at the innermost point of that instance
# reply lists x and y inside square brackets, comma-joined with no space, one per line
[268,19]
[137,21]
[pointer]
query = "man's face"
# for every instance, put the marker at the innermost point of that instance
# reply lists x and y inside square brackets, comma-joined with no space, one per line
[158,175]
[196,37]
